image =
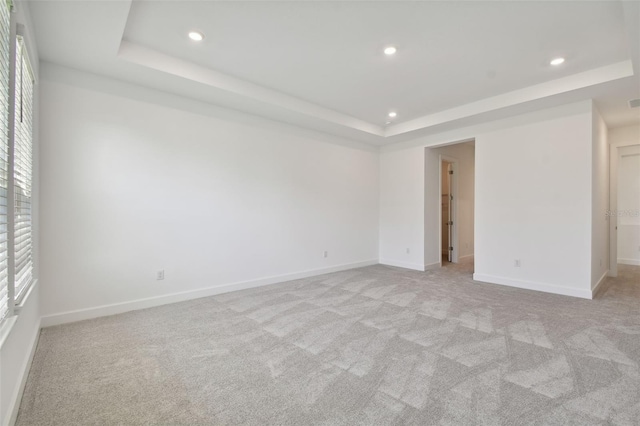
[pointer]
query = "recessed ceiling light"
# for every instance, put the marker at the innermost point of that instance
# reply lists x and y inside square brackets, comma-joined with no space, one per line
[393,114]
[390,50]
[557,61]
[196,36]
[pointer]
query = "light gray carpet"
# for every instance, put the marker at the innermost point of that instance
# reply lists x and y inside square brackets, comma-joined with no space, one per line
[376,345]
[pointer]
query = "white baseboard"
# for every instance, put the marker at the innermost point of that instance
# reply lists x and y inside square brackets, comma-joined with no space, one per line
[118,308]
[596,287]
[401,264]
[633,262]
[530,285]
[14,405]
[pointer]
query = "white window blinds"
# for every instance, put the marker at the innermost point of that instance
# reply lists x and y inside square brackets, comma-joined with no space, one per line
[4,148]
[22,171]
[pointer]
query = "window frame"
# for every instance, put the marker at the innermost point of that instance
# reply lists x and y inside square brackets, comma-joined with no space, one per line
[18,37]
[7,310]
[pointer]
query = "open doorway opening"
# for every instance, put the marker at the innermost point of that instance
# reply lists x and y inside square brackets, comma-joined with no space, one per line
[449,205]
[627,210]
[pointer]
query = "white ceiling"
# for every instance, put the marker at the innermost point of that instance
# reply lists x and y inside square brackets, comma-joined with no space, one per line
[320,64]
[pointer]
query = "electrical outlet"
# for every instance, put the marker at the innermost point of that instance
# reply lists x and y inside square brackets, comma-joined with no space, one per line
[160,275]
[325,254]
[408,250]
[516,263]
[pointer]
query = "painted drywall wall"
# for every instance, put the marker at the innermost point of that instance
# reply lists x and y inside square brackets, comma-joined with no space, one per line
[464,214]
[623,238]
[519,202]
[600,201]
[131,186]
[628,211]
[402,209]
[624,136]
[532,207]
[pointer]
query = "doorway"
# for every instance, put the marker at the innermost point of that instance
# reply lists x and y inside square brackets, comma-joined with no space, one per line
[627,211]
[624,208]
[449,206]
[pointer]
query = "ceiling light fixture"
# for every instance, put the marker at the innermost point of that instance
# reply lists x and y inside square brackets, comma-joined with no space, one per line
[196,36]
[390,50]
[393,114]
[556,61]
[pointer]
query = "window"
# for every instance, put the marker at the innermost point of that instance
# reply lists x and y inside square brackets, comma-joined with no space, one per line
[16,165]
[22,171]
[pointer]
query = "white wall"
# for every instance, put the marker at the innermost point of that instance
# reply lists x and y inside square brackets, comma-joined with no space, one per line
[402,208]
[465,154]
[131,186]
[533,203]
[600,201]
[624,136]
[533,177]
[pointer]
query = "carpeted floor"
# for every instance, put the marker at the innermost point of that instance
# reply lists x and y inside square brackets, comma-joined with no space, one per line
[375,346]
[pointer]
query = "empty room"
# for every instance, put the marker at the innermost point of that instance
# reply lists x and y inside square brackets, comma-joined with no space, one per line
[319,212]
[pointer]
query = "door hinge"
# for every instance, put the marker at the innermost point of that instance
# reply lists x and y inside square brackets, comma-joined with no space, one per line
[451,197]
[450,223]
[450,248]
[450,172]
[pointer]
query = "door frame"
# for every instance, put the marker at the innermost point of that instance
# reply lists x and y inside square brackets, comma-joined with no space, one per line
[614,159]
[453,207]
